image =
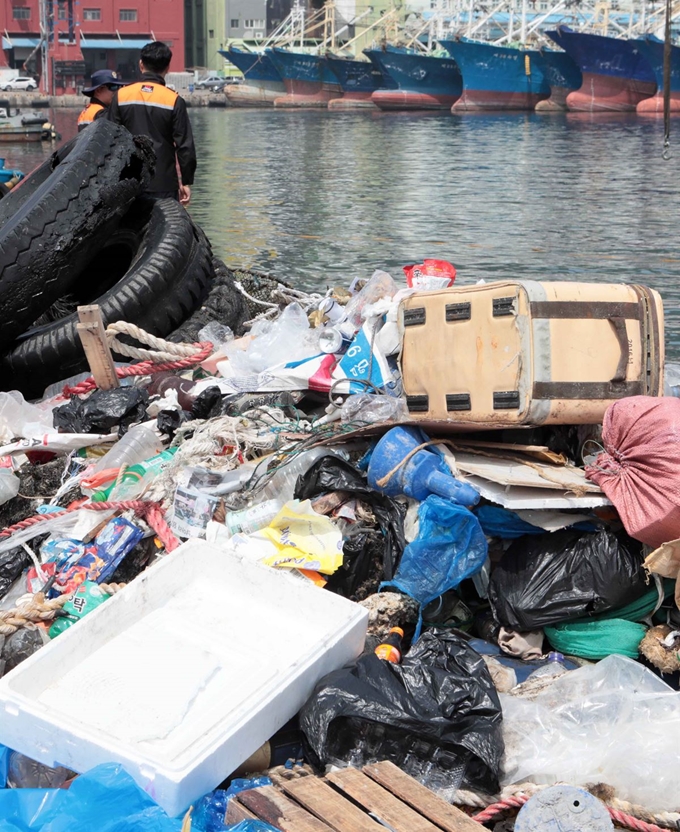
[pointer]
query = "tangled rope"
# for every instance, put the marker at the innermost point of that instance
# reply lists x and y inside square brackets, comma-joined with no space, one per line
[149,511]
[516,801]
[38,608]
[284,294]
[165,356]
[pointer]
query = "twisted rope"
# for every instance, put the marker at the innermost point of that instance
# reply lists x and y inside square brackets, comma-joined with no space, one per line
[151,512]
[37,609]
[169,356]
[31,612]
[162,350]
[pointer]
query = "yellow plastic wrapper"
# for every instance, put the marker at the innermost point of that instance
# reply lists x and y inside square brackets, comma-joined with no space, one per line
[302,539]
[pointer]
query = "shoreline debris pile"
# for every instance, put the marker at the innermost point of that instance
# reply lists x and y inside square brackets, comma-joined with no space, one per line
[381,524]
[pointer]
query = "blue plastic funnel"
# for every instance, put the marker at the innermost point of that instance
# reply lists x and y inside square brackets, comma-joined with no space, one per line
[420,475]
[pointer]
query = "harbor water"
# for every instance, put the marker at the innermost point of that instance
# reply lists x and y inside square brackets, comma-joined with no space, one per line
[318,197]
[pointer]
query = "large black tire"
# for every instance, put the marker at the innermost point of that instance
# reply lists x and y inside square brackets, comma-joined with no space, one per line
[53,222]
[225,304]
[168,278]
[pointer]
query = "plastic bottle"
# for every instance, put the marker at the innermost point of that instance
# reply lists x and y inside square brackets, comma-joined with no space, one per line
[380,285]
[552,668]
[138,444]
[282,484]
[136,477]
[390,648]
[25,773]
[252,519]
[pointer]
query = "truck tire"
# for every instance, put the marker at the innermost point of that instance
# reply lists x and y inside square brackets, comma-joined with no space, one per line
[52,222]
[165,273]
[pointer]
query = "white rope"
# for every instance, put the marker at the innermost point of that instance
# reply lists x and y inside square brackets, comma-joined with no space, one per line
[162,350]
[259,302]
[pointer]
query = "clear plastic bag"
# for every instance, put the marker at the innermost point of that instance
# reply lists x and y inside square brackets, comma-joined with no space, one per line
[287,339]
[373,409]
[614,722]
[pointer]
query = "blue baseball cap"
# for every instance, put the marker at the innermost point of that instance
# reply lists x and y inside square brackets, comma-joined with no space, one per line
[102,78]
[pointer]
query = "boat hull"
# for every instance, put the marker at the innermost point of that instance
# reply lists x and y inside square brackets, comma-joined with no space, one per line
[26,135]
[308,79]
[606,93]
[653,49]
[563,75]
[417,82]
[497,77]
[358,81]
[255,93]
[408,100]
[261,80]
[616,75]
[353,101]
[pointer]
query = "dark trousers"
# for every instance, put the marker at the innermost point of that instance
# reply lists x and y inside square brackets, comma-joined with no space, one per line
[163,195]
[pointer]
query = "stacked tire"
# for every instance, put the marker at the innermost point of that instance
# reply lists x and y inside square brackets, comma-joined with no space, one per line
[79,228]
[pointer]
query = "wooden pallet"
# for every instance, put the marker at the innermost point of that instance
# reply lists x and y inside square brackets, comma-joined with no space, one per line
[378,798]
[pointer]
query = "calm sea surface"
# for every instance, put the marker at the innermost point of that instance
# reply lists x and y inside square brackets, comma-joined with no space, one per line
[319,197]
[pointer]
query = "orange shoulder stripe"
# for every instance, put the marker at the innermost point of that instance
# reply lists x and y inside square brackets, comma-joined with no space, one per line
[147,92]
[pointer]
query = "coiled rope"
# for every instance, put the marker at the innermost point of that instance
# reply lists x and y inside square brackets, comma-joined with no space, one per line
[38,608]
[511,802]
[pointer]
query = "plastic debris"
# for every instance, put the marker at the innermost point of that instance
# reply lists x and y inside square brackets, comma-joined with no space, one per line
[287,441]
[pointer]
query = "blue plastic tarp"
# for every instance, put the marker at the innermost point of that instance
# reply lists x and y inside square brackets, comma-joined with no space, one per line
[105,799]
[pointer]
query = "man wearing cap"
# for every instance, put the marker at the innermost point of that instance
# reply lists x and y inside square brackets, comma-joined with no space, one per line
[103,84]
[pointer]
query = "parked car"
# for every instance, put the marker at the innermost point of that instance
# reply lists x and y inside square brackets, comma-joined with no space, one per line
[20,83]
[212,82]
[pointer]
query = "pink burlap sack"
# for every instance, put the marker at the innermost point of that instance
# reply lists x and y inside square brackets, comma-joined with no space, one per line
[640,468]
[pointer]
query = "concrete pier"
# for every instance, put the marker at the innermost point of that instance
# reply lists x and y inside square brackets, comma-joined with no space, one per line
[38,100]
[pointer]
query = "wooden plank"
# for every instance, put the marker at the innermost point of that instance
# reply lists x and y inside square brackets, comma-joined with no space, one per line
[236,812]
[329,806]
[441,813]
[383,805]
[269,805]
[93,337]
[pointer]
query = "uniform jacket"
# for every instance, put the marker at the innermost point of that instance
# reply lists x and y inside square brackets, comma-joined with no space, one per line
[150,109]
[95,109]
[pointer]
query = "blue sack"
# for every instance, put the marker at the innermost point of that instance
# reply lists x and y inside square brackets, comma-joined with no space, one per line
[450,547]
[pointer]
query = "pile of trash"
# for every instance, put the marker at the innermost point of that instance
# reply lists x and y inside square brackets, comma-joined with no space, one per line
[381,522]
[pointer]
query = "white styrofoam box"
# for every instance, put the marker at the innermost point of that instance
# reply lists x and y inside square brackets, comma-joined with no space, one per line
[182,675]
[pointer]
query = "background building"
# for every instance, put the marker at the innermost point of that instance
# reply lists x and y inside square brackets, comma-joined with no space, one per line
[83,35]
[210,24]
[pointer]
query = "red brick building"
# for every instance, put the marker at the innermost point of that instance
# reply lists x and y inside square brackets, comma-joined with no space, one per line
[84,35]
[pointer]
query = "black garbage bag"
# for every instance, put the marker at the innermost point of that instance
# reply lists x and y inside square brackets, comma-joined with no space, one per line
[567,574]
[12,564]
[102,410]
[437,712]
[332,474]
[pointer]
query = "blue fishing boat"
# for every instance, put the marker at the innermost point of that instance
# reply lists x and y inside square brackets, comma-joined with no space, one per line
[358,81]
[261,80]
[497,77]
[308,79]
[652,49]
[563,75]
[616,75]
[417,81]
